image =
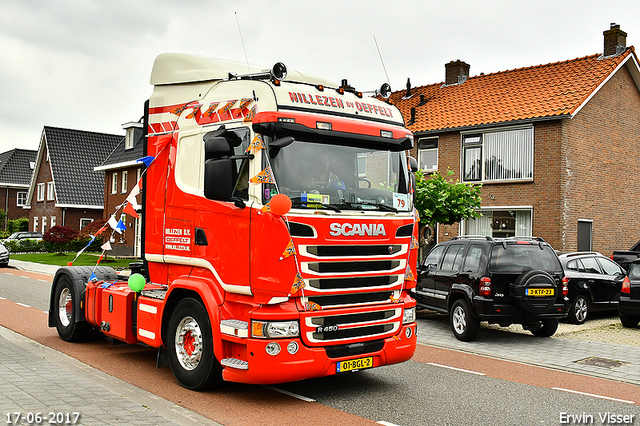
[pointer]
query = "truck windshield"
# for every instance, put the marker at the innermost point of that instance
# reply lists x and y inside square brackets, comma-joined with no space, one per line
[339,177]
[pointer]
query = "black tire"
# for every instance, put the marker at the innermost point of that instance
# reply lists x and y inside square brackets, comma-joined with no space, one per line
[629,321]
[463,325]
[547,329]
[579,310]
[64,311]
[190,347]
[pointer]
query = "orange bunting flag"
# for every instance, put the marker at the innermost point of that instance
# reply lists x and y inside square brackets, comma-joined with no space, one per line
[249,116]
[266,208]
[264,176]
[408,275]
[244,102]
[128,209]
[225,109]
[394,299]
[196,110]
[414,243]
[289,251]
[297,284]
[99,259]
[256,143]
[212,107]
[416,215]
[179,110]
[312,306]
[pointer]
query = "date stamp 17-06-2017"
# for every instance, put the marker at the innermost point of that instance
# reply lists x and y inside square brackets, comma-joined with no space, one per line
[45,418]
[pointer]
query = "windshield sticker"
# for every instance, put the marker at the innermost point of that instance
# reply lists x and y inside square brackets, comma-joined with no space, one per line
[315,198]
[401,201]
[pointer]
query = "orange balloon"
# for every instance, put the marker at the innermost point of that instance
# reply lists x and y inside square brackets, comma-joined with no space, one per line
[280,204]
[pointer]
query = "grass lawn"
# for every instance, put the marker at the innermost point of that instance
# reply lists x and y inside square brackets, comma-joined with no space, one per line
[85,259]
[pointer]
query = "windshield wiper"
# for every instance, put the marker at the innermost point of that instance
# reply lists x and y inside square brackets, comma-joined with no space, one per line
[301,202]
[380,206]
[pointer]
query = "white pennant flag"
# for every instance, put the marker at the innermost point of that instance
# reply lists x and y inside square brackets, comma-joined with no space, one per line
[113,223]
[106,246]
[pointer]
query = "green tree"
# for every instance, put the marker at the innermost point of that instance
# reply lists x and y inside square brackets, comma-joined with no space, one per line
[441,199]
[60,236]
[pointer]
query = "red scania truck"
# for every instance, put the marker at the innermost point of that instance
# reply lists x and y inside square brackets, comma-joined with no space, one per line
[237,288]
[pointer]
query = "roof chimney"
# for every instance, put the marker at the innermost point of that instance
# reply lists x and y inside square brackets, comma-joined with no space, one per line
[456,72]
[615,40]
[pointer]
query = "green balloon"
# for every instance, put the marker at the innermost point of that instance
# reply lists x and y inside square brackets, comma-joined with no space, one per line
[136,282]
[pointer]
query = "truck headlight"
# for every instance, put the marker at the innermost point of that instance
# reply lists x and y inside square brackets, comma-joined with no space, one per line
[409,315]
[274,329]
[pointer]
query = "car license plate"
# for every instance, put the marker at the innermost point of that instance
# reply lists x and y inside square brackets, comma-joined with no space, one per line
[354,364]
[539,292]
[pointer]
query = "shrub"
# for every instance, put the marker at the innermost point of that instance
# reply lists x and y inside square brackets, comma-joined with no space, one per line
[18,225]
[60,236]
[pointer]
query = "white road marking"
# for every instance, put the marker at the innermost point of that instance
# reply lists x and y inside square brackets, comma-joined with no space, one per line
[295,395]
[22,304]
[457,369]
[386,423]
[595,396]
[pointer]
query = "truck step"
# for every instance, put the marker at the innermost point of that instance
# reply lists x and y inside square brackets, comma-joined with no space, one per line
[235,363]
[159,293]
[234,327]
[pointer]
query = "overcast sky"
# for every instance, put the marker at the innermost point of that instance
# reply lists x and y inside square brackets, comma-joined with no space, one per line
[85,64]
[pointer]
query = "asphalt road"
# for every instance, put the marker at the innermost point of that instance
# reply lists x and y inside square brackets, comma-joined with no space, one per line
[437,387]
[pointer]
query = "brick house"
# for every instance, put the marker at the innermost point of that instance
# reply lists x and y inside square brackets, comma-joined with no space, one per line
[16,169]
[121,173]
[553,145]
[64,189]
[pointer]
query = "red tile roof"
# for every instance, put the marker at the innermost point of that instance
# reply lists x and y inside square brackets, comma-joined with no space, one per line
[551,90]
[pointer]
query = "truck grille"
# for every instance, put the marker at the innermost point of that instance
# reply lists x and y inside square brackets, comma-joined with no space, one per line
[354,282]
[351,299]
[343,327]
[358,266]
[353,250]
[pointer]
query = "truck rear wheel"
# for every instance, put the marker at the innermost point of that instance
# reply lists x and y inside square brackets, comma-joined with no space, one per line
[190,347]
[65,305]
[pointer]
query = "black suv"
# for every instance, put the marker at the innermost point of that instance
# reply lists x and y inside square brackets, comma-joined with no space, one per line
[502,281]
[629,299]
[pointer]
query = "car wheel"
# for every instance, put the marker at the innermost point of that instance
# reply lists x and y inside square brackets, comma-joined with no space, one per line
[547,329]
[629,321]
[464,326]
[190,346]
[579,310]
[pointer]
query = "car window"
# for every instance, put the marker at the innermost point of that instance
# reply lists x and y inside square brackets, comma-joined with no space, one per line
[634,271]
[609,267]
[453,257]
[434,256]
[472,261]
[591,266]
[517,257]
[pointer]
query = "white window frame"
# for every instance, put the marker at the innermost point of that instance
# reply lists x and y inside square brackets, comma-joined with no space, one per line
[515,209]
[23,195]
[40,194]
[114,183]
[35,224]
[476,147]
[84,221]
[53,221]
[128,140]
[50,191]
[44,224]
[423,151]
[125,178]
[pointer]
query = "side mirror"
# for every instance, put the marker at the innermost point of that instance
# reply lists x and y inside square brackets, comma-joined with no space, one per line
[413,164]
[278,144]
[216,147]
[218,179]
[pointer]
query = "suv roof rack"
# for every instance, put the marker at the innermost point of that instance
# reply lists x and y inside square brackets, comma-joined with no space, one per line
[539,239]
[582,253]
[473,237]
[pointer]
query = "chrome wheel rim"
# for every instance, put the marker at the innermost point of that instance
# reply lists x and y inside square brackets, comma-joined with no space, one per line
[65,307]
[459,320]
[580,309]
[188,343]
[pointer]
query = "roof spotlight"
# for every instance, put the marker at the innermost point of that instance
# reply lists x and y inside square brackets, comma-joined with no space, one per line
[385,90]
[279,71]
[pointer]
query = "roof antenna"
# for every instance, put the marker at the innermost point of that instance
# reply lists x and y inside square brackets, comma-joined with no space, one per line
[381,60]
[246,58]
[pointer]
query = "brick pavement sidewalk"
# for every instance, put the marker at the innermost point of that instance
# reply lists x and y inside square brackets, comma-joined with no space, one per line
[36,379]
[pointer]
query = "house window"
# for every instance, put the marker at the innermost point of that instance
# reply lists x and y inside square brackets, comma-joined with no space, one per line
[50,191]
[21,199]
[35,224]
[138,175]
[85,221]
[114,183]
[125,177]
[498,156]
[40,194]
[585,229]
[128,141]
[44,224]
[501,223]
[428,154]
[53,221]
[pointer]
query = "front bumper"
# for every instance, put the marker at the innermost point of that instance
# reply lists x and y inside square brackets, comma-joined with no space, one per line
[312,362]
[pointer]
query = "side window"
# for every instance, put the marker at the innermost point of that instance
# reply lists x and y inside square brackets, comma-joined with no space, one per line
[609,267]
[434,256]
[591,266]
[572,265]
[472,261]
[241,189]
[453,257]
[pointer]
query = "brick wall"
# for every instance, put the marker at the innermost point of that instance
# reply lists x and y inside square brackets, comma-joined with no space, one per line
[124,244]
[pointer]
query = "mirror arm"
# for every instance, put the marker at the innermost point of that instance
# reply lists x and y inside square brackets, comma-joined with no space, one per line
[242,157]
[238,202]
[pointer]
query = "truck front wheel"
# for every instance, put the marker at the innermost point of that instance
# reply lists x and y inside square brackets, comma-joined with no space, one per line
[190,347]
